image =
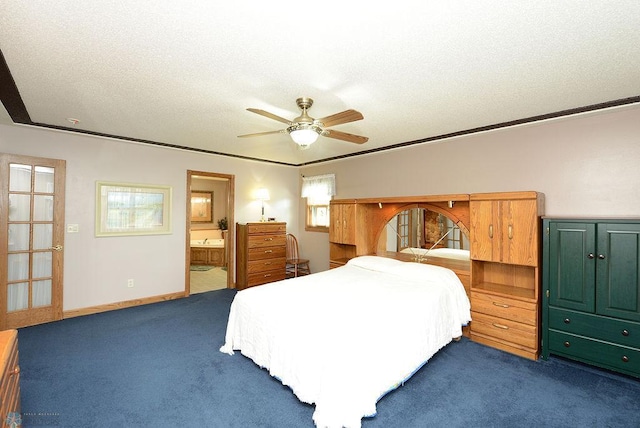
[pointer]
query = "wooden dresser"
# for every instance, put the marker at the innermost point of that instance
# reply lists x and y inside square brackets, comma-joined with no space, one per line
[261,253]
[10,381]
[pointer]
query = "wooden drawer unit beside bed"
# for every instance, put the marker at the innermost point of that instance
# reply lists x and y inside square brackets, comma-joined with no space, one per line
[505,323]
[505,270]
[10,372]
[260,253]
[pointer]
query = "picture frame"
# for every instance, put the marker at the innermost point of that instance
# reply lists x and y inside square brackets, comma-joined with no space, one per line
[201,206]
[132,209]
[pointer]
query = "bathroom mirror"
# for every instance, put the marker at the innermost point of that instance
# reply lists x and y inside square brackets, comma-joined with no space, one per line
[201,206]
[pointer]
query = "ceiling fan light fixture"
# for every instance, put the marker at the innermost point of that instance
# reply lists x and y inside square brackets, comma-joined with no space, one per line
[304,129]
[304,136]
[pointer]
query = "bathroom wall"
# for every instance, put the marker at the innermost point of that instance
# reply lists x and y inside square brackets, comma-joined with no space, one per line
[220,200]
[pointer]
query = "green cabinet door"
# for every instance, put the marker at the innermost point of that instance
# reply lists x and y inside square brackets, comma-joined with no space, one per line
[618,260]
[572,265]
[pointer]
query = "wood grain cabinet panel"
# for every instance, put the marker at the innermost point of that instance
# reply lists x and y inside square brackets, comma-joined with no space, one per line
[10,372]
[208,256]
[505,281]
[343,223]
[260,253]
[503,230]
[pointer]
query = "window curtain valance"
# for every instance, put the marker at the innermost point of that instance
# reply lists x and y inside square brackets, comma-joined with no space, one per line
[319,188]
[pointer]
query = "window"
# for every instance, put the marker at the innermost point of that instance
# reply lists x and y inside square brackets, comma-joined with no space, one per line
[318,191]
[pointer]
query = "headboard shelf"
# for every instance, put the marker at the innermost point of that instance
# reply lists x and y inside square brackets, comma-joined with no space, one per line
[458,266]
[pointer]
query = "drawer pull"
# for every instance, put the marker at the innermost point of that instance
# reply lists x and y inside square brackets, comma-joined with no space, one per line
[567,321]
[504,327]
[267,275]
[625,332]
[268,239]
[502,305]
[15,371]
[267,263]
[268,251]
[625,359]
[590,256]
[567,344]
[601,256]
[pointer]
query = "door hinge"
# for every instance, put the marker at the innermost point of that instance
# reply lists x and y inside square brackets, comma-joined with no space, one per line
[547,294]
[547,231]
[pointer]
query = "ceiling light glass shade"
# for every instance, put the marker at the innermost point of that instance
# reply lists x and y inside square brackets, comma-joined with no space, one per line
[304,137]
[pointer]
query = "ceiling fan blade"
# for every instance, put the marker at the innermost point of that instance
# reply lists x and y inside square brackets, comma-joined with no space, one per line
[344,136]
[340,118]
[269,115]
[257,134]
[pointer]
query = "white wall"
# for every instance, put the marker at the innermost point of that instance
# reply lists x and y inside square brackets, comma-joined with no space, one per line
[96,269]
[586,165]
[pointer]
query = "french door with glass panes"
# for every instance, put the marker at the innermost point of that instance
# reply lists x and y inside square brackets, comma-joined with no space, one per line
[31,240]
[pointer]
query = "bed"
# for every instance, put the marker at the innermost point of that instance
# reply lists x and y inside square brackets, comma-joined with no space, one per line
[343,338]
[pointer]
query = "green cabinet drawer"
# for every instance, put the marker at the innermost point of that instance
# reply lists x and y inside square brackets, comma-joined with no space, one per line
[596,352]
[613,330]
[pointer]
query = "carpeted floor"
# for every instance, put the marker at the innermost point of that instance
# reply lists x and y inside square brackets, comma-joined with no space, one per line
[159,365]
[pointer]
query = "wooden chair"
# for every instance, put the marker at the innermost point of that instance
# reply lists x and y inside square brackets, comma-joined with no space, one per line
[295,265]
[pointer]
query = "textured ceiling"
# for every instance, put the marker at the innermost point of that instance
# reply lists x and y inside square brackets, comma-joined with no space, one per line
[182,73]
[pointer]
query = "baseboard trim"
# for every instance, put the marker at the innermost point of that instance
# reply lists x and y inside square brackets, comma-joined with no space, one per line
[122,305]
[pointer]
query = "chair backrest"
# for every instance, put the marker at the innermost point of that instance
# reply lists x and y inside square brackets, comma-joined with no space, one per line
[292,247]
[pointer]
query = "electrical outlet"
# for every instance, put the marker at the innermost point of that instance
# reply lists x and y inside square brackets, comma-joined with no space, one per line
[130,283]
[72,228]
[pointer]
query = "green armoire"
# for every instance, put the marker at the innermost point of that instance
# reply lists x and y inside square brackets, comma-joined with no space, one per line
[591,292]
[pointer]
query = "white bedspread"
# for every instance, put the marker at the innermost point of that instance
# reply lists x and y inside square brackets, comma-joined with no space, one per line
[342,338]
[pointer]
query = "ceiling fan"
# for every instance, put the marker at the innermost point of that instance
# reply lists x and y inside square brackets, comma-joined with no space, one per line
[304,130]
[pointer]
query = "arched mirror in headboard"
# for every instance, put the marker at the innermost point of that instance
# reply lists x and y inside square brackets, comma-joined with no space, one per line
[422,231]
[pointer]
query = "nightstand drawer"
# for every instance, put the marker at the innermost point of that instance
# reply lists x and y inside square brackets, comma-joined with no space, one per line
[503,307]
[617,331]
[504,329]
[603,354]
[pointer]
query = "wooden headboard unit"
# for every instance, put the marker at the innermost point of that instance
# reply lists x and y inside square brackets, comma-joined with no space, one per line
[369,217]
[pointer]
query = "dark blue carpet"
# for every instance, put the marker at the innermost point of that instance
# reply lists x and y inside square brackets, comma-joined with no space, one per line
[159,366]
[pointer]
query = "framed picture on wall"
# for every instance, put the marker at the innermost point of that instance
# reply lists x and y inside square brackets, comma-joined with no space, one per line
[132,209]
[201,206]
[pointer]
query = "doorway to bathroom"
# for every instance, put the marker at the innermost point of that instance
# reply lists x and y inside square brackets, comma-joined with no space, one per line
[210,243]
